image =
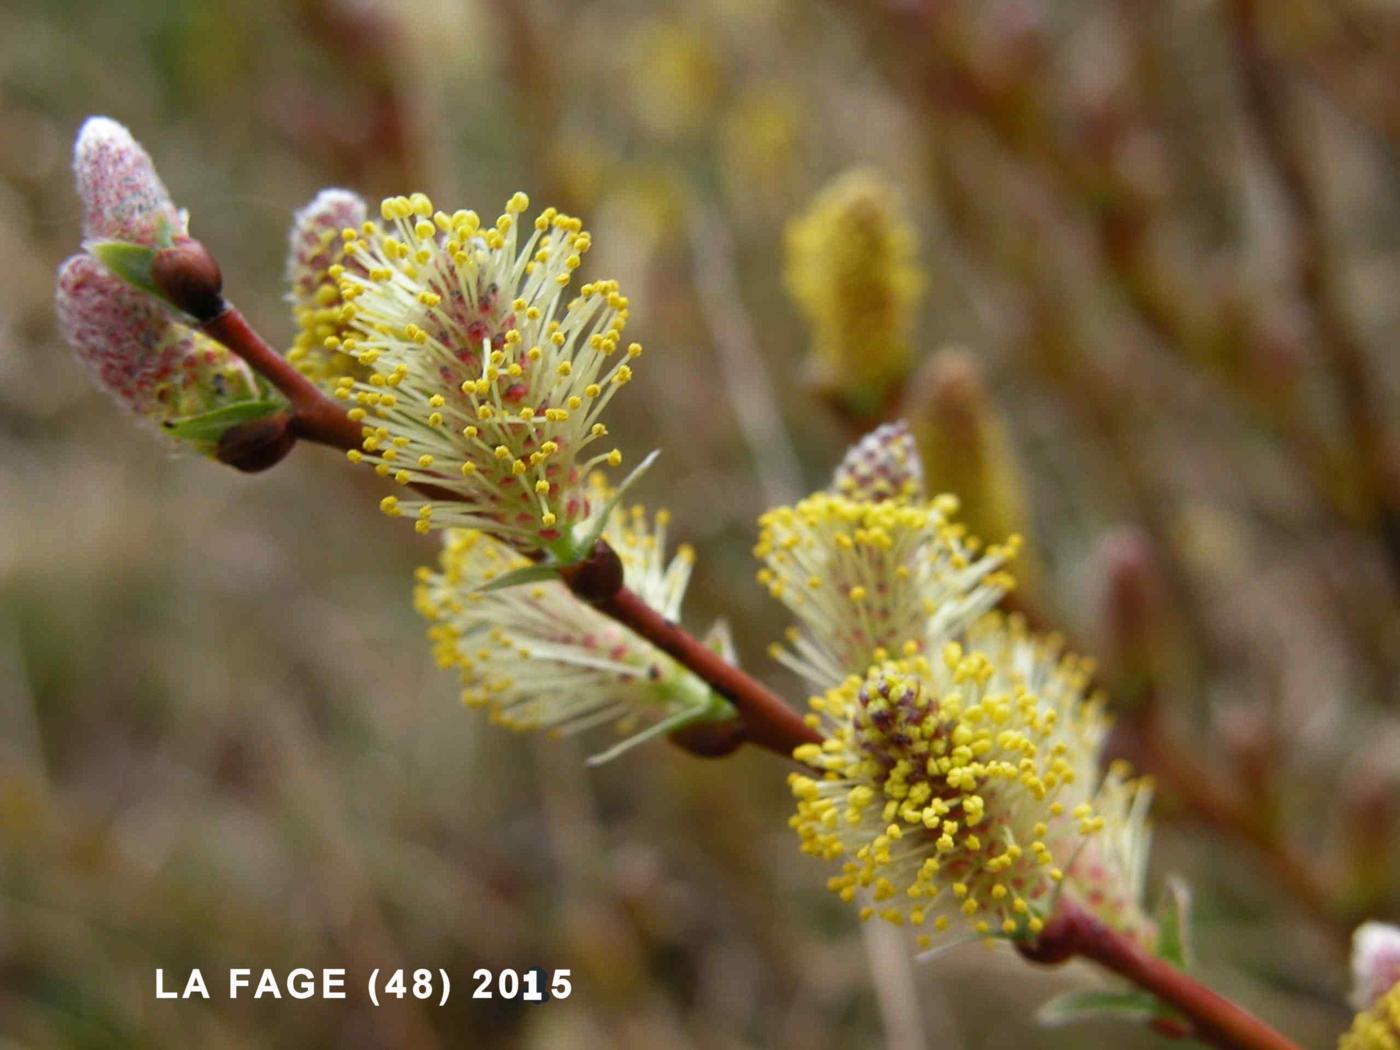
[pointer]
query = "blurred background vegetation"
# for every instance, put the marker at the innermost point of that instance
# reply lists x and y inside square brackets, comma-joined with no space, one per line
[1157,334]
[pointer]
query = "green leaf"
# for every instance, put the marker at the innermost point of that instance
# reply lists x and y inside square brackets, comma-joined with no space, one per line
[1099,1004]
[1174,924]
[584,546]
[522,575]
[207,427]
[131,262]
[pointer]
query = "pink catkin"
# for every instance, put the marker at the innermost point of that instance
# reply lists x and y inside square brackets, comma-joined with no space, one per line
[151,363]
[123,198]
[125,337]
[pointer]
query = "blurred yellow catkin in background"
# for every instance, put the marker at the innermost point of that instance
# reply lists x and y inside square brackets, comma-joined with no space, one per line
[852,269]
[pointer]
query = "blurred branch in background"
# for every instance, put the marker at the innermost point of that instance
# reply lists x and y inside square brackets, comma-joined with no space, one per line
[741,367]
[1103,166]
[1375,478]
[365,122]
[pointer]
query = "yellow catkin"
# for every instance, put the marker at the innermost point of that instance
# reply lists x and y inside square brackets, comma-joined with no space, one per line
[866,577]
[958,782]
[852,271]
[535,657]
[1377,1028]
[324,346]
[957,785]
[479,373]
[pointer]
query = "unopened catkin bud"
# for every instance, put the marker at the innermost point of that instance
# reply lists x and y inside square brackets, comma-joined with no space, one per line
[883,465]
[1131,611]
[113,306]
[967,451]
[1375,962]
[123,197]
[156,367]
[131,225]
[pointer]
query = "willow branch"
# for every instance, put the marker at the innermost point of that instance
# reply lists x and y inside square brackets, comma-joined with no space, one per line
[768,720]
[1214,1020]
[315,416]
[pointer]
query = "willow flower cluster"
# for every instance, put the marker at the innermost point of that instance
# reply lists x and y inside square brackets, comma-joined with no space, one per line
[479,379]
[135,347]
[315,245]
[957,780]
[853,272]
[535,657]
[957,785]
[867,565]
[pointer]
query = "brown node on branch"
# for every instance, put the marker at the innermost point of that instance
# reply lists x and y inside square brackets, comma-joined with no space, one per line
[1058,942]
[598,577]
[711,739]
[257,444]
[188,276]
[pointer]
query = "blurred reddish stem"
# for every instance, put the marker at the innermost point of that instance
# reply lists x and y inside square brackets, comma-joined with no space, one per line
[1215,1020]
[365,41]
[941,69]
[1315,273]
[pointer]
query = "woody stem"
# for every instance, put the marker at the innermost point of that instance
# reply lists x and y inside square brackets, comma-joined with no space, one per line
[1213,1019]
[768,720]
[315,416]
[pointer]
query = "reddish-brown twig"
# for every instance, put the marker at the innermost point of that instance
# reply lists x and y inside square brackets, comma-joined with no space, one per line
[1073,932]
[315,416]
[768,720]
